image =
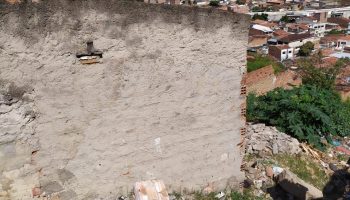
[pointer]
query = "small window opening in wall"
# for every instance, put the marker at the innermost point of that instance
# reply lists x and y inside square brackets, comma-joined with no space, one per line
[91,56]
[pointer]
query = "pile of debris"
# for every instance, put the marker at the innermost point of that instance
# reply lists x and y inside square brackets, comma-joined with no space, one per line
[261,138]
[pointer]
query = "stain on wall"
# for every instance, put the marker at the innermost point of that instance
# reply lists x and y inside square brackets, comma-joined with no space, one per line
[164,101]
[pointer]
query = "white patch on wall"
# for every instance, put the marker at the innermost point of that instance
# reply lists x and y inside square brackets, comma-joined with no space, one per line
[157,144]
[224,157]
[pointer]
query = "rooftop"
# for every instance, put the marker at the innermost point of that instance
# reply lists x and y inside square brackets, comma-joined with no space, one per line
[295,37]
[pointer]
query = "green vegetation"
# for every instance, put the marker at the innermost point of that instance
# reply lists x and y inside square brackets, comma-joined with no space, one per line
[262,16]
[286,19]
[335,32]
[241,2]
[306,49]
[306,113]
[260,61]
[304,167]
[214,3]
[257,9]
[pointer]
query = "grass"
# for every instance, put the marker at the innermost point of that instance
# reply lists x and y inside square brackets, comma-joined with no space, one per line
[260,61]
[305,168]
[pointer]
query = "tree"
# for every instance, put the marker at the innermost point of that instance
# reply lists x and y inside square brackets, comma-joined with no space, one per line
[262,16]
[306,49]
[285,19]
[322,77]
[240,2]
[214,3]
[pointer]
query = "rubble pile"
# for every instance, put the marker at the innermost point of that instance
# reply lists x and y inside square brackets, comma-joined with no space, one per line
[269,139]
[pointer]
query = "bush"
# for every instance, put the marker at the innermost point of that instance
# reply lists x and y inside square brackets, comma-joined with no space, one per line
[263,16]
[307,113]
[323,77]
[241,2]
[214,3]
[306,49]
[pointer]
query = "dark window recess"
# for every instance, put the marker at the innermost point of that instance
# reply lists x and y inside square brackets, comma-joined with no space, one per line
[90,51]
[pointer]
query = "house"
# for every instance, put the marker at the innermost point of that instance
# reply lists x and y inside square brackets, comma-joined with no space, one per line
[297,40]
[343,22]
[318,29]
[271,25]
[342,83]
[297,28]
[264,29]
[321,17]
[281,52]
[258,43]
[339,41]
[279,33]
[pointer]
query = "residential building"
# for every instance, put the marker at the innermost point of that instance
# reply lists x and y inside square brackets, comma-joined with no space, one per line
[297,40]
[318,29]
[264,29]
[281,52]
[343,22]
[297,28]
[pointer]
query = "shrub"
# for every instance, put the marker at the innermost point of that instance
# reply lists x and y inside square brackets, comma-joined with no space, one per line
[306,49]
[306,112]
[214,3]
[263,16]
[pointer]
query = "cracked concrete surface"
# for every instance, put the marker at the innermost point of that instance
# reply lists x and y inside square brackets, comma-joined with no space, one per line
[163,103]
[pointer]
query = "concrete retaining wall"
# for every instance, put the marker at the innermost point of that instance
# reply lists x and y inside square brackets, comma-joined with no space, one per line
[164,102]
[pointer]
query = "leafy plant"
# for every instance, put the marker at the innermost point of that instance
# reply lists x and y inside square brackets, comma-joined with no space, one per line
[307,113]
[323,77]
[306,49]
[241,2]
[286,19]
[214,3]
[262,16]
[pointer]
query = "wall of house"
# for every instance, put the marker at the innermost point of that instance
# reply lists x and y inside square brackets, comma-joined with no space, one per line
[163,103]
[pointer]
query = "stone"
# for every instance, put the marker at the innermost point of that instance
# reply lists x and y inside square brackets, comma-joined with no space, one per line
[263,138]
[269,171]
[292,184]
[274,148]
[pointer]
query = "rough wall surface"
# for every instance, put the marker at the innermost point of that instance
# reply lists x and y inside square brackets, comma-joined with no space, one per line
[164,103]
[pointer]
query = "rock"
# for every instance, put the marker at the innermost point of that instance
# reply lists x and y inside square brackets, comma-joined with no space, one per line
[264,138]
[258,183]
[269,172]
[274,148]
[292,184]
[333,167]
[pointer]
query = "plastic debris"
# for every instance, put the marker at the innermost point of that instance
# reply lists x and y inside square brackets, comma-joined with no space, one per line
[277,170]
[220,195]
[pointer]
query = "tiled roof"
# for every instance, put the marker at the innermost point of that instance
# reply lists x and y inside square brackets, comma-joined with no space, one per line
[295,37]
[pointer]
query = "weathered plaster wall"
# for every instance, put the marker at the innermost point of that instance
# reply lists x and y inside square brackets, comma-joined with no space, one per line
[164,103]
